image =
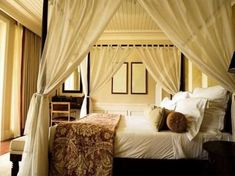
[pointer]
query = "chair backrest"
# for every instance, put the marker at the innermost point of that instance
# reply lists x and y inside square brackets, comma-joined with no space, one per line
[60,106]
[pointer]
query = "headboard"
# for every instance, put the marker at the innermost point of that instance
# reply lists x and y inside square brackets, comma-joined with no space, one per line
[228,116]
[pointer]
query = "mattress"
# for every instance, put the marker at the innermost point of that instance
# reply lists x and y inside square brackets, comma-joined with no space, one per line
[136,137]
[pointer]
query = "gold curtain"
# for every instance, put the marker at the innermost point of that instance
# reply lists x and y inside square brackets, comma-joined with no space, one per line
[30,65]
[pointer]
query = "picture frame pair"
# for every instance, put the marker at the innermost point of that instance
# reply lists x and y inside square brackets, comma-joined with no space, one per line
[138,79]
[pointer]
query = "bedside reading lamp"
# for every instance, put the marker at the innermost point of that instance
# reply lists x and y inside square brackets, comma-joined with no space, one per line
[231,68]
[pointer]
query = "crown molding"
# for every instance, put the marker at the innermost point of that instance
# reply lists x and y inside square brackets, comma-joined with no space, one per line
[133,35]
[22,15]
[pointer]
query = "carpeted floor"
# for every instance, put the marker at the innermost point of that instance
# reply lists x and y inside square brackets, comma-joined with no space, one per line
[5,165]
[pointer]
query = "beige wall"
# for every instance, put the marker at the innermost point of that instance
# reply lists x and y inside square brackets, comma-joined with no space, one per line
[104,94]
[194,77]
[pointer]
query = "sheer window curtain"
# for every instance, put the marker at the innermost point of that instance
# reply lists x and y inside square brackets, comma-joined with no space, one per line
[11,75]
[163,64]
[16,82]
[75,26]
[202,30]
[30,66]
[104,63]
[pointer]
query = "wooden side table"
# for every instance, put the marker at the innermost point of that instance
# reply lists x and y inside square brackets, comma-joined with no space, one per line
[221,156]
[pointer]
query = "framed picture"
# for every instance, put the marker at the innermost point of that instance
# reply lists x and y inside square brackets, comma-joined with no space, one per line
[120,80]
[139,79]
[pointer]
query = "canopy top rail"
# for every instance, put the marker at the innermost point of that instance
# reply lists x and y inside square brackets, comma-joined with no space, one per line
[134,45]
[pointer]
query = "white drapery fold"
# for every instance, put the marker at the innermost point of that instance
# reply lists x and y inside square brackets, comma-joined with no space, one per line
[104,63]
[202,30]
[74,27]
[163,64]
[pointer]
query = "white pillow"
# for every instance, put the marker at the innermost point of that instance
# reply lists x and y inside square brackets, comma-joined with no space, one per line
[193,109]
[168,104]
[217,103]
[180,96]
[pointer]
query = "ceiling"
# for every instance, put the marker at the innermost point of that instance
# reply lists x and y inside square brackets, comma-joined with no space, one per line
[130,22]
[131,17]
[26,12]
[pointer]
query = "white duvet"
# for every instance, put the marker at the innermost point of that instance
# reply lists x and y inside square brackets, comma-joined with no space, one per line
[137,138]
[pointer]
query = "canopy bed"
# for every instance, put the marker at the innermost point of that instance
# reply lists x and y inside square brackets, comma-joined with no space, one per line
[137,139]
[75,27]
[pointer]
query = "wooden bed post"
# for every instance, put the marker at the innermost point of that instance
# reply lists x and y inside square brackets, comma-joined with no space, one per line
[182,73]
[88,84]
[44,23]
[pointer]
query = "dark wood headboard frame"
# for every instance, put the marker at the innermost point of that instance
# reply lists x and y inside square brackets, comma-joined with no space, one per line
[228,116]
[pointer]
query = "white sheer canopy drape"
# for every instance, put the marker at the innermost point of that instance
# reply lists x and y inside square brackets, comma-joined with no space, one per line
[163,64]
[74,27]
[202,30]
[104,63]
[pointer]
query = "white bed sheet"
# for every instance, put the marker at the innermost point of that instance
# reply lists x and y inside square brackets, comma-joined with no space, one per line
[137,138]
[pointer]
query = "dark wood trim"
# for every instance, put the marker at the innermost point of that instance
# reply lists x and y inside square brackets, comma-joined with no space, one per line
[141,166]
[22,123]
[127,75]
[88,83]
[231,68]
[182,73]
[134,45]
[152,167]
[15,159]
[146,79]
[44,22]
[73,91]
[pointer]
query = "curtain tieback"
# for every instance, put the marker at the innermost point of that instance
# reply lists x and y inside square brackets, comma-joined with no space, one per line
[39,94]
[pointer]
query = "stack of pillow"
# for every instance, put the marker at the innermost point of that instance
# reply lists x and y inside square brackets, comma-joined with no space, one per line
[202,110]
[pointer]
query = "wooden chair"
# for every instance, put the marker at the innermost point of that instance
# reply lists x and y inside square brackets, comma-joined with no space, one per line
[61,112]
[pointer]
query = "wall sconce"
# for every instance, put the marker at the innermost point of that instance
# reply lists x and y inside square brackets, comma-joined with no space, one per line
[231,68]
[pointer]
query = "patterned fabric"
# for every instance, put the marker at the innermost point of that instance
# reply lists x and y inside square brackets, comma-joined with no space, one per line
[85,147]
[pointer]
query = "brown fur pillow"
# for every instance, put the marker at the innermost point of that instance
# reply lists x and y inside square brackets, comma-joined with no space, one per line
[163,125]
[176,122]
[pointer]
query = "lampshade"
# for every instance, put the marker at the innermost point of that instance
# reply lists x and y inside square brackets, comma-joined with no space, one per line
[231,68]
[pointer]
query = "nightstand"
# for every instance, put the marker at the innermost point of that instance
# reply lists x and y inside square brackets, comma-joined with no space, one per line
[221,155]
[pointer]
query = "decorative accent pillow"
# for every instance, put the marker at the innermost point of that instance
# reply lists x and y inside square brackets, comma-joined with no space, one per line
[156,117]
[215,111]
[163,125]
[176,122]
[193,109]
